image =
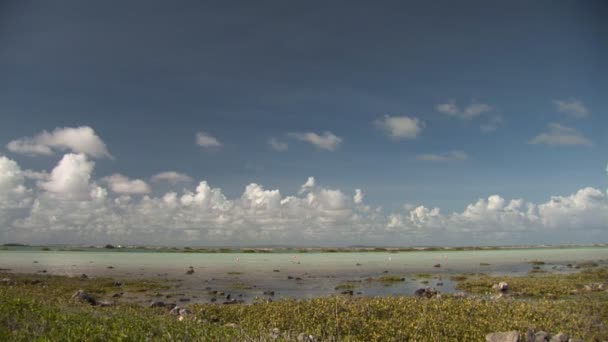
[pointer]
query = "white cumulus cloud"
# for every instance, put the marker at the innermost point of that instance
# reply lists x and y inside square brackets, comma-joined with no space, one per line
[277,145]
[469,112]
[171,177]
[71,177]
[572,107]
[326,141]
[400,127]
[441,157]
[206,140]
[69,207]
[558,134]
[79,139]
[123,185]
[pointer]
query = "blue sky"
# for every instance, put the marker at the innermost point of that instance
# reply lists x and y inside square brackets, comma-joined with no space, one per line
[482,80]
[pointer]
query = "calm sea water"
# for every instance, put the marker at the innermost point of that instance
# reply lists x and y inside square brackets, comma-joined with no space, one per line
[250,274]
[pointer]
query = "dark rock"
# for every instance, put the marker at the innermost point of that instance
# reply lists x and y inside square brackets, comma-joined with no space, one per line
[561,337]
[110,267]
[175,311]
[190,271]
[157,304]
[437,265]
[509,336]
[439,284]
[35,281]
[117,295]
[289,277]
[170,306]
[84,276]
[82,296]
[228,296]
[347,292]
[117,284]
[427,292]
[269,293]
[541,336]
[213,300]
[184,299]
[298,278]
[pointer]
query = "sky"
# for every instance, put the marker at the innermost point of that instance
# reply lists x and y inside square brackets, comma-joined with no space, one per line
[304,123]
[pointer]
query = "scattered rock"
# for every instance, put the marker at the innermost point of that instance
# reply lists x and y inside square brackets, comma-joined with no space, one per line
[460,295]
[561,337]
[303,337]
[106,303]
[269,293]
[157,304]
[502,286]
[185,312]
[347,292]
[42,271]
[117,295]
[117,284]
[185,299]
[439,284]
[593,287]
[427,292]
[298,278]
[509,336]
[7,281]
[82,296]
[274,333]
[541,336]
[84,276]
[190,271]
[35,281]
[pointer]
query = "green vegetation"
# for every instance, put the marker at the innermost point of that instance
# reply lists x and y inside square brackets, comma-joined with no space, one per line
[424,275]
[390,279]
[541,285]
[33,310]
[348,285]
[537,262]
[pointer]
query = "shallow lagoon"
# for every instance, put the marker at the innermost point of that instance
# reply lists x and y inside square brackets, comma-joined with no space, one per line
[313,274]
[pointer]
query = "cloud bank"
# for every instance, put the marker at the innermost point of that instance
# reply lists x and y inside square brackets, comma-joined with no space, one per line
[67,205]
[79,139]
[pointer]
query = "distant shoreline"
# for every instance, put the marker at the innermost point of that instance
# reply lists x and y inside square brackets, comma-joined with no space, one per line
[281,249]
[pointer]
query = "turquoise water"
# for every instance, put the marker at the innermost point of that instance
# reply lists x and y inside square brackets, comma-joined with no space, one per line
[319,272]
